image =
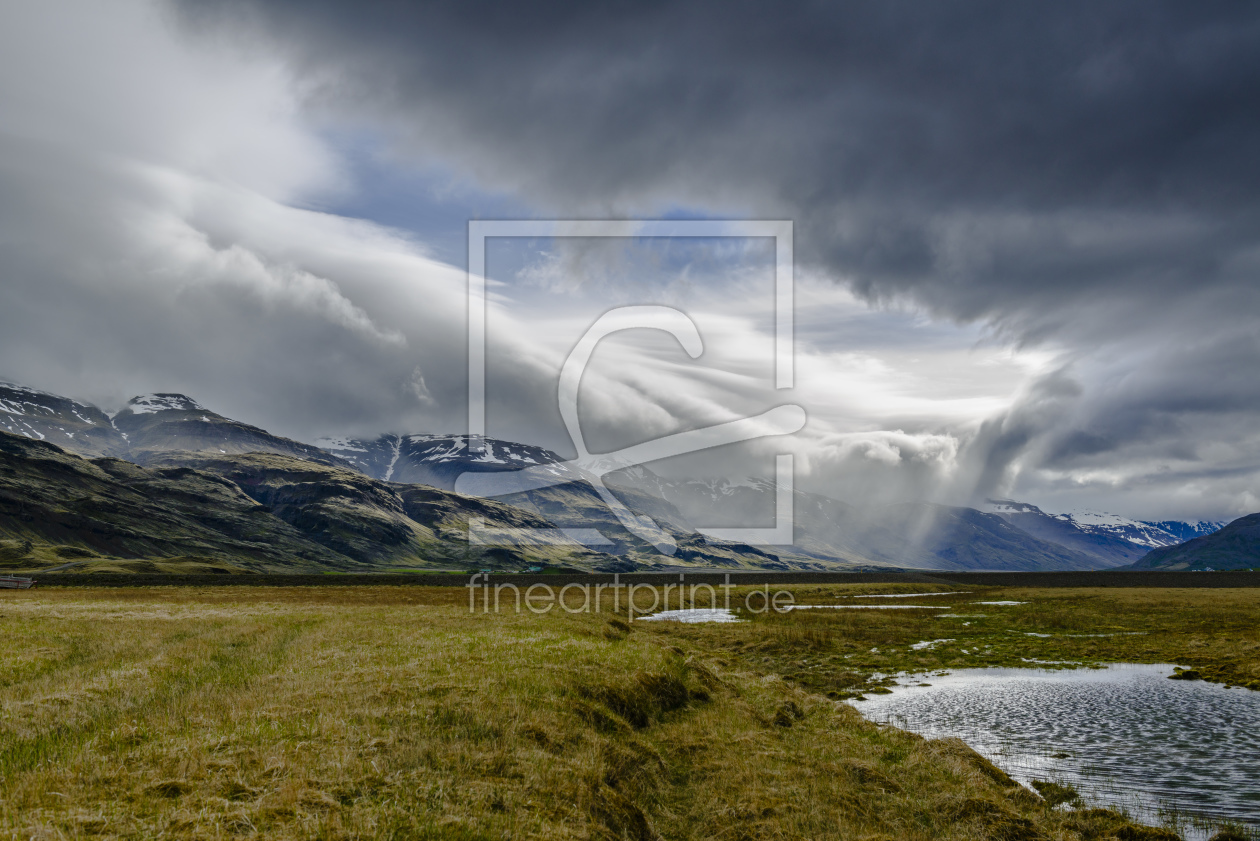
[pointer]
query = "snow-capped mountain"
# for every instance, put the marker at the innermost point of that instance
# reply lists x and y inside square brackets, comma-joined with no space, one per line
[159,423]
[1150,535]
[151,404]
[438,460]
[915,535]
[67,423]
[1190,529]
[1115,539]
[147,425]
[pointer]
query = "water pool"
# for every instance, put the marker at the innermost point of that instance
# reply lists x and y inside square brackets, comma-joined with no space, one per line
[1124,735]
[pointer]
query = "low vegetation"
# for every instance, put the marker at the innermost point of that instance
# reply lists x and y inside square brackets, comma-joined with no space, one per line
[392,712]
[843,653]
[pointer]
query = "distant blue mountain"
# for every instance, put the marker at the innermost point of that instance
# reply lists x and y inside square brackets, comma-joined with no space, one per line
[1236,546]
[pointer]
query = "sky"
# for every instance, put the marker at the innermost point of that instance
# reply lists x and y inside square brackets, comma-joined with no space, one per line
[1026,237]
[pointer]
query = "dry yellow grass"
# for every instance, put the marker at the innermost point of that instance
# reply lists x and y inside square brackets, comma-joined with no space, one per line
[394,713]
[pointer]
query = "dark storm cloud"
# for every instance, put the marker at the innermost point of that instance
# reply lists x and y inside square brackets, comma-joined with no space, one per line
[977,154]
[1079,175]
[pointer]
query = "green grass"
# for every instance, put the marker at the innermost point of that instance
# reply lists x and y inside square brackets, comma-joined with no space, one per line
[391,712]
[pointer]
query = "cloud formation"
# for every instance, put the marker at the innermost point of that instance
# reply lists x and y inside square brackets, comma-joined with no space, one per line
[1027,236]
[1080,178]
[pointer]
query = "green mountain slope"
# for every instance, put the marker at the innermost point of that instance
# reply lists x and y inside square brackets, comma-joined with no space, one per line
[391,523]
[256,512]
[381,523]
[57,508]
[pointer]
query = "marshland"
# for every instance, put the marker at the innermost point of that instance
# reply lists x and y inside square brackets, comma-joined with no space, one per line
[395,712]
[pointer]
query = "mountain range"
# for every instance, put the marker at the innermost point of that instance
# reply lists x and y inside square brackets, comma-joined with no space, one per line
[1113,540]
[146,426]
[1236,546]
[920,536]
[256,512]
[389,502]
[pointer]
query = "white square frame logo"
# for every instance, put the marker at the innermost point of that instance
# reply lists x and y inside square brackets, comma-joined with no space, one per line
[479,230]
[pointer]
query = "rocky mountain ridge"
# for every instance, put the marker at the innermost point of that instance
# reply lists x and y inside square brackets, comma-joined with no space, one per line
[145,427]
[78,427]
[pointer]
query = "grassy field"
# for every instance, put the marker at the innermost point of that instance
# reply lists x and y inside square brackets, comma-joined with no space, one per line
[835,652]
[393,712]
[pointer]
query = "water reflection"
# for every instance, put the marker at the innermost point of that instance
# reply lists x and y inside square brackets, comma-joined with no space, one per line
[1125,735]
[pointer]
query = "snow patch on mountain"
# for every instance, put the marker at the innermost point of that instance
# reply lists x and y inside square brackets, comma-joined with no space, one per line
[1008,506]
[13,400]
[43,416]
[11,408]
[26,389]
[148,404]
[23,428]
[1191,529]
[452,449]
[716,489]
[1134,531]
[1097,518]
[340,445]
[396,446]
[487,455]
[1143,533]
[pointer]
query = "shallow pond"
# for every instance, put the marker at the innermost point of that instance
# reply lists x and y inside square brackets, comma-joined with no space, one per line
[866,607]
[1124,735]
[692,616]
